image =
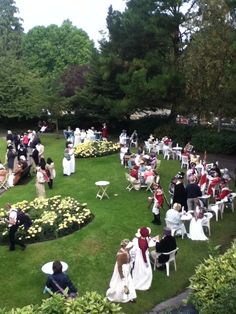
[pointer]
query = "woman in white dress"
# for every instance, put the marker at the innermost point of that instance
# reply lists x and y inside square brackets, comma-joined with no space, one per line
[121,285]
[196,231]
[72,158]
[142,270]
[77,137]
[66,163]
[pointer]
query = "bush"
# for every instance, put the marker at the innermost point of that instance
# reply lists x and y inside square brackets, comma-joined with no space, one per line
[90,303]
[52,217]
[202,138]
[95,149]
[214,284]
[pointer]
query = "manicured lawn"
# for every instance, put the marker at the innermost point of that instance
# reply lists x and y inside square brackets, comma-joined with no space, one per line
[91,251]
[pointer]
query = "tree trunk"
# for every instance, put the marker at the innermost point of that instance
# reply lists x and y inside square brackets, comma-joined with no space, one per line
[219,125]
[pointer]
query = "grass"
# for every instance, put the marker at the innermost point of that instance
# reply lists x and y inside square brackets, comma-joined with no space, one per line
[91,251]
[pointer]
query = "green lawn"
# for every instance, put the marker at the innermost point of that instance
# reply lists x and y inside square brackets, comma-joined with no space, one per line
[91,251]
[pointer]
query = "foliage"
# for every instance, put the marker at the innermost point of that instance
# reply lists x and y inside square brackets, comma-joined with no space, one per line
[209,60]
[213,284]
[53,217]
[91,302]
[10,29]
[138,67]
[90,252]
[52,49]
[202,138]
[96,149]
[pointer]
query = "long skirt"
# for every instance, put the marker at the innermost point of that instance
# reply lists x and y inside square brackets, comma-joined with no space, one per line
[66,167]
[116,291]
[40,190]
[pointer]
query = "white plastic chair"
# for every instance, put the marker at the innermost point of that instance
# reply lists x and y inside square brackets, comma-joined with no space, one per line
[148,146]
[229,201]
[174,229]
[172,258]
[216,208]
[159,148]
[184,161]
[167,152]
[206,222]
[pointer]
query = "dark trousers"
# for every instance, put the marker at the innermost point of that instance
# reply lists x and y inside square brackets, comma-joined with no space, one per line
[50,183]
[13,241]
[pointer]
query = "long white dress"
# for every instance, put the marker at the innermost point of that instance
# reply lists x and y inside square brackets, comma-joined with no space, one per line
[72,160]
[66,166]
[196,231]
[116,292]
[142,272]
[77,136]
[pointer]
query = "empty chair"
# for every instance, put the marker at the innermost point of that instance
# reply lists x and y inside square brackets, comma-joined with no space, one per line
[159,148]
[184,161]
[148,146]
[167,152]
[216,208]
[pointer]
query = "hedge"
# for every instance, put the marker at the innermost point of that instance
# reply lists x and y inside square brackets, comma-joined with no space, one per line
[214,284]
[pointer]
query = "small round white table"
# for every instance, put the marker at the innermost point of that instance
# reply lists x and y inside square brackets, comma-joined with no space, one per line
[102,187]
[47,268]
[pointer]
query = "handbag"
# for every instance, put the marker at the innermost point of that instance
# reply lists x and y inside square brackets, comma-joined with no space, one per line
[71,295]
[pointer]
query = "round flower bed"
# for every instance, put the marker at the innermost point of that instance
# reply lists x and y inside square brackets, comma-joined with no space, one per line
[52,218]
[96,149]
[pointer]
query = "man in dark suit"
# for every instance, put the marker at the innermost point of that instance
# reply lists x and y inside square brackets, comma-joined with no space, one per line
[165,245]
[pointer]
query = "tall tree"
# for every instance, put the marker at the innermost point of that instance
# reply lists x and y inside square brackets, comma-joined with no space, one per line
[10,28]
[140,60]
[209,61]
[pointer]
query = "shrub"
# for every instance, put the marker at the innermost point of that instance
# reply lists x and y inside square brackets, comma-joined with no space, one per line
[52,217]
[214,284]
[202,138]
[90,303]
[96,149]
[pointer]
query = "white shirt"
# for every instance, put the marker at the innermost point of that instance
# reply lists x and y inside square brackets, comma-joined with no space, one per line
[173,216]
[12,216]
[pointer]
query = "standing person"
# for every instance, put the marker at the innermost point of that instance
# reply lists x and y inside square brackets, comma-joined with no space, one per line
[72,158]
[77,137]
[13,227]
[51,172]
[35,158]
[142,270]
[104,132]
[41,179]
[11,154]
[158,200]
[180,195]
[134,139]
[25,139]
[66,163]
[193,191]
[121,285]
[40,149]
[22,151]
[123,138]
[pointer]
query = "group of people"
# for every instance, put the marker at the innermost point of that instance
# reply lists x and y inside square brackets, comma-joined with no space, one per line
[133,270]
[78,135]
[25,153]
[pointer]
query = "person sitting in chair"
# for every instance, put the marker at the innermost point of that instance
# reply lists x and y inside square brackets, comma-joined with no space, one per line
[59,281]
[173,216]
[165,245]
[3,173]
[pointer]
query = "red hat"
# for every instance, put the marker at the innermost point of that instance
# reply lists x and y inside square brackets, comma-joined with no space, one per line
[143,232]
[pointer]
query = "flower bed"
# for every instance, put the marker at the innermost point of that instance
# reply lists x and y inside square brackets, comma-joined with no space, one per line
[52,218]
[96,149]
